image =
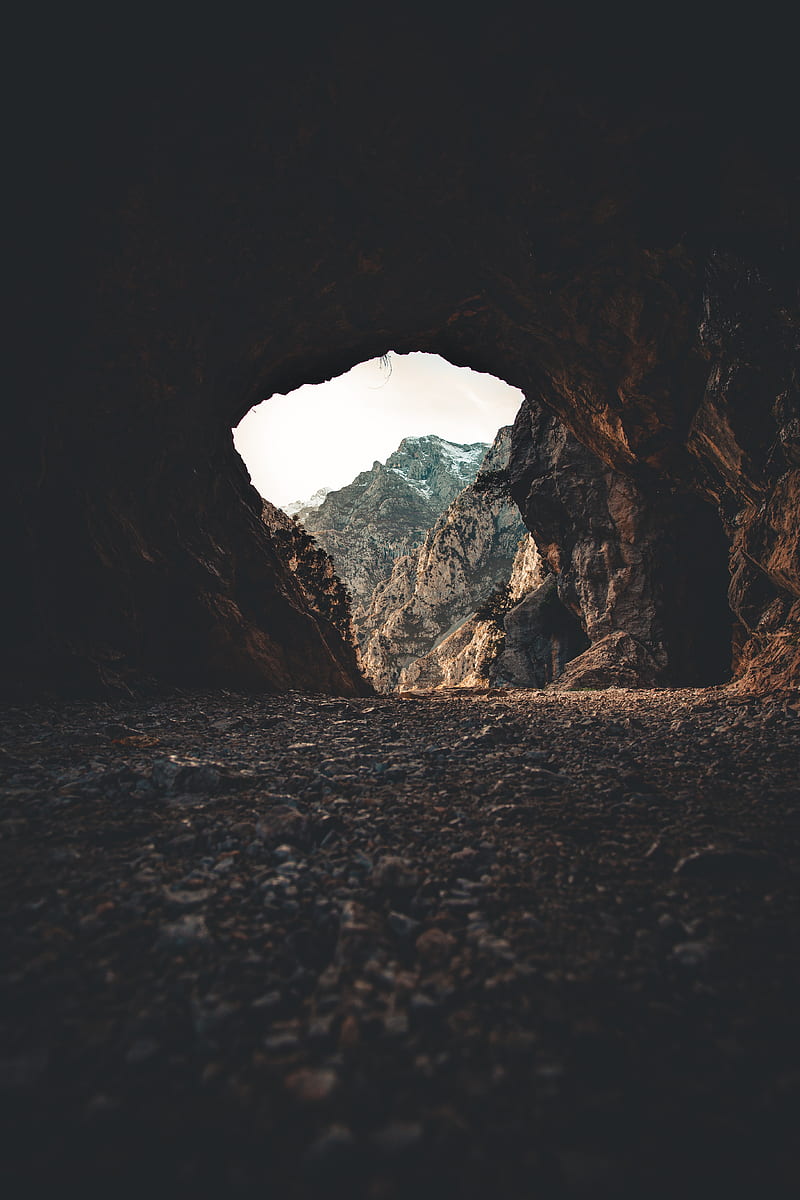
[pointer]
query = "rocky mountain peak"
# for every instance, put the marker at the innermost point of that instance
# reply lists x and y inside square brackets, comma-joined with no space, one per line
[298,508]
[466,554]
[386,512]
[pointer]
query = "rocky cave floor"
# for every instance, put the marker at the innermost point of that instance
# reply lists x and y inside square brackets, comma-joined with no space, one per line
[461,944]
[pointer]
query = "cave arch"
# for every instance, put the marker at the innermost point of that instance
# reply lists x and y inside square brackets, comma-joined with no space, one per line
[631,268]
[641,574]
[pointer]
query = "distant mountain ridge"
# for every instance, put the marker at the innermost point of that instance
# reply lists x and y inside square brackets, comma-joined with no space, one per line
[299,508]
[385,512]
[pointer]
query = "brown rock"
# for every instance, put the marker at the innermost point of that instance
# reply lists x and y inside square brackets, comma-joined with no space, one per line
[632,268]
[435,947]
[311,1086]
[617,660]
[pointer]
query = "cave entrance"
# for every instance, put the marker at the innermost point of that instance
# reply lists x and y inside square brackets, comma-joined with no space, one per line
[403,454]
[400,471]
[343,426]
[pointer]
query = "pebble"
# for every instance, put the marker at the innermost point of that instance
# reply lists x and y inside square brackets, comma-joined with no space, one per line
[402,925]
[311,1086]
[435,946]
[395,874]
[691,954]
[397,949]
[188,931]
[184,775]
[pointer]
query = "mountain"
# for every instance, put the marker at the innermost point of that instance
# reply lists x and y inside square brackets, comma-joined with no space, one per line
[300,508]
[314,574]
[465,556]
[385,512]
[476,653]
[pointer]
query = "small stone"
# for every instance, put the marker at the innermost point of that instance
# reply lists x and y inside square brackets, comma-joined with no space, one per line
[435,946]
[267,1001]
[422,1005]
[691,954]
[281,1042]
[395,874]
[311,1086]
[176,775]
[188,931]
[402,925]
[396,1024]
[181,898]
[540,776]
[496,947]
[349,1033]
[320,1028]
[281,824]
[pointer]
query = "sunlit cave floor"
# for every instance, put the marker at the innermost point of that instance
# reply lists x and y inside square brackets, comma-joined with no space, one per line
[512,944]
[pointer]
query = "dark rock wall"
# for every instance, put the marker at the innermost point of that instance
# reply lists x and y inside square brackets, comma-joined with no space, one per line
[205,215]
[541,637]
[650,563]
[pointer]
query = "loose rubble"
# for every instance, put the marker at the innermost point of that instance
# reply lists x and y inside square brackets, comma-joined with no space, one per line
[501,943]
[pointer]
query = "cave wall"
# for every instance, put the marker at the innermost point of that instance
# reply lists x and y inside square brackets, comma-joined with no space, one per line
[635,559]
[203,216]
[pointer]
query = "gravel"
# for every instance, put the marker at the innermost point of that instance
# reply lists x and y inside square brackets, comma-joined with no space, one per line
[459,944]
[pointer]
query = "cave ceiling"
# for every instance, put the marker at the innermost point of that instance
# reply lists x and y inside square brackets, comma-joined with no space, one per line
[606,218]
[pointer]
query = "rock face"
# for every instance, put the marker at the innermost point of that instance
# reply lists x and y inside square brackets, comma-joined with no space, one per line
[386,511]
[746,435]
[464,557]
[315,575]
[621,249]
[651,567]
[541,637]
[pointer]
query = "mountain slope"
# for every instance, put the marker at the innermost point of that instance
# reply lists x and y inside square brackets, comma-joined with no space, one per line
[386,511]
[464,557]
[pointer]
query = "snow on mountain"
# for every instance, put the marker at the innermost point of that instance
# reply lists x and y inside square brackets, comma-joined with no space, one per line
[313,502]
[385,512]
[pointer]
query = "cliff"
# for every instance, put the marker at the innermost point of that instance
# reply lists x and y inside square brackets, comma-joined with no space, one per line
[465,556]
[386,511]
[621,248]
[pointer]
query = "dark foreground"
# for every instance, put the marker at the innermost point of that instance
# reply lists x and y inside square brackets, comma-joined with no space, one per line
[509,945]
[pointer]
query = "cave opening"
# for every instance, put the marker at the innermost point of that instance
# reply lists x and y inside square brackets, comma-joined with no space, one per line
[342,426]
[468,560]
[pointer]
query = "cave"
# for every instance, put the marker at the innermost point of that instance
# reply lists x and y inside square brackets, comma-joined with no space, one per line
[266,927]
[639,286]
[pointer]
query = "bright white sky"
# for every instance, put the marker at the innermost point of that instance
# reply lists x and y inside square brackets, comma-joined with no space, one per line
[322,435]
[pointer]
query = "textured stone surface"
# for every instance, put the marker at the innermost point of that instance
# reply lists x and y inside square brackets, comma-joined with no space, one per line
[616,660]
[525,638]
[465,556]
[386,512]
[314,573]
[576,906]
[627,560]
[535,197]
[541,636]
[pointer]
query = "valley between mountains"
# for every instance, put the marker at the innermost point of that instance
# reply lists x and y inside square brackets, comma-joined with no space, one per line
[434,557]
